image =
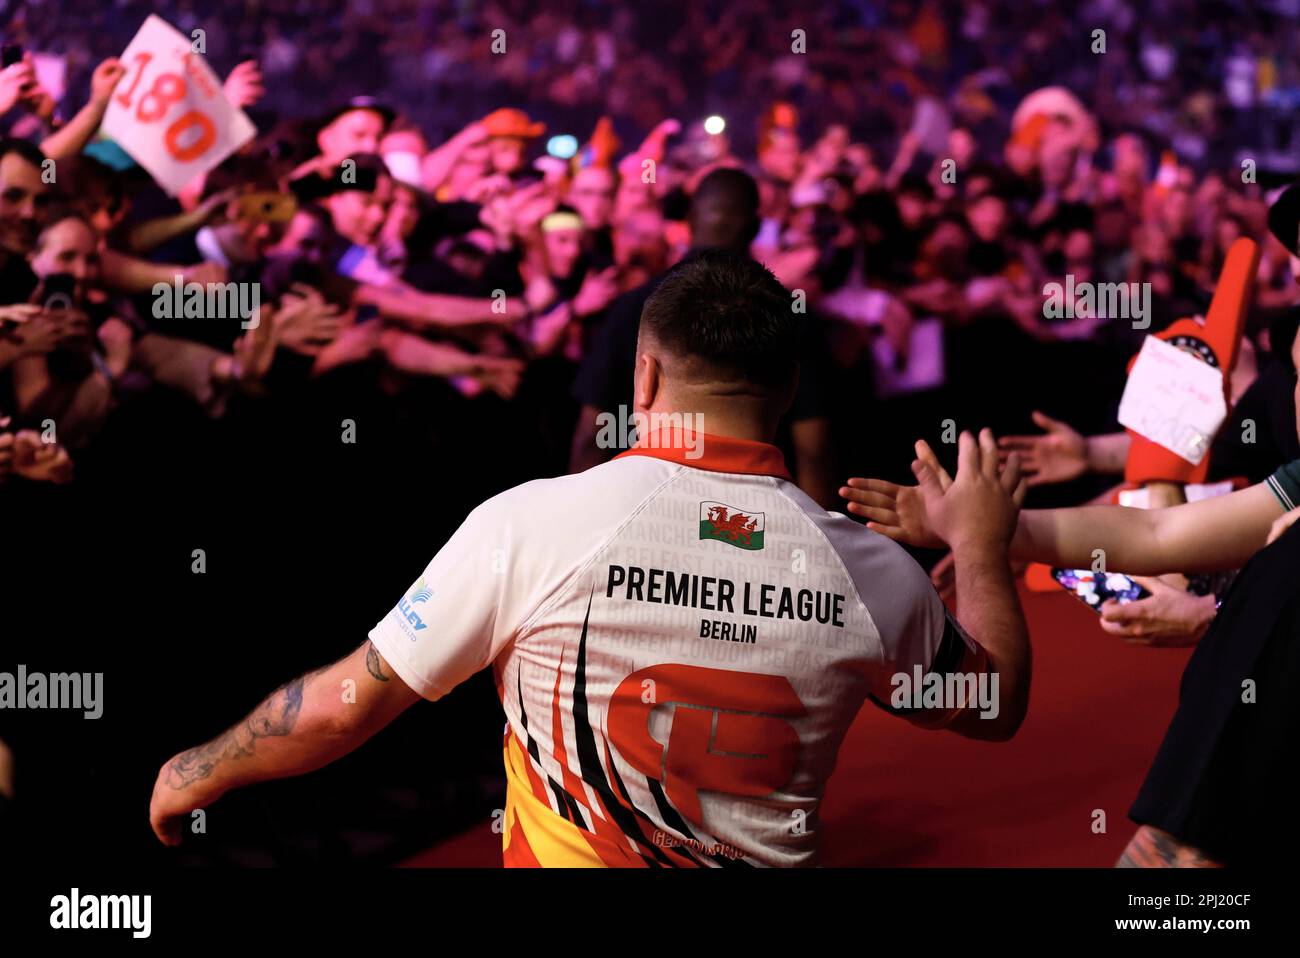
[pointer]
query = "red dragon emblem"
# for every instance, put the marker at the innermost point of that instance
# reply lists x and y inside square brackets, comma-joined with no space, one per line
[735,526]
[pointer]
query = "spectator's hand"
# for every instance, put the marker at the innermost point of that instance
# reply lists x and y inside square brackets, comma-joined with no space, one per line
[40,103]
[14,315]
[16,83]
[244,85]
[51,329]
[204,273]
[1061,454]
[984,292]
[899,511]
[305,322]
[653,147]
[1168,617]
[105,80]
[907,513]
[529,213]
[40,461]
[255,350]
[499,374]
[597,291]
[473,134]
[216,203]
[486,188]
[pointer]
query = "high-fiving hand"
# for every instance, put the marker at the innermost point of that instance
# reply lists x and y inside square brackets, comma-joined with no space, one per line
[979,506]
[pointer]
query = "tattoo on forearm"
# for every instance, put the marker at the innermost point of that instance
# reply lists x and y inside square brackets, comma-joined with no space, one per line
[1152,848]
[277,715]
[374,664]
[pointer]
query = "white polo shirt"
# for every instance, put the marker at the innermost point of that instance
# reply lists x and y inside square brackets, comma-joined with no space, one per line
[679,643]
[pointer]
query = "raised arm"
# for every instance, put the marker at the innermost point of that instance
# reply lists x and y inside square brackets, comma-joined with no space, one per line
[76,133]
[1218,533]
[301,726]
[977,512]
[436,310]
[132,275]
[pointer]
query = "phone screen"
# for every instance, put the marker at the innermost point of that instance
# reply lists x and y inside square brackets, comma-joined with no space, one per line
[1094,588]
[59,290]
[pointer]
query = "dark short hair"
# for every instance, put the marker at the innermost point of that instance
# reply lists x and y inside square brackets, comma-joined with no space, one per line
[61,211]
[251,173]
[24,148]
[729,311]
[733,188]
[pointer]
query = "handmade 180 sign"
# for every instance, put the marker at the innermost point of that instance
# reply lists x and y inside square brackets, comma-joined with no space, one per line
[169,111]
[1174,399]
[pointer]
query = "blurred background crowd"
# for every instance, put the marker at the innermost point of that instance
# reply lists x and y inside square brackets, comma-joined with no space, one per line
[452,245]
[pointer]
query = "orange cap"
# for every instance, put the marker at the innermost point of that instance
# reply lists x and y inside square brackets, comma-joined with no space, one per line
[509,121]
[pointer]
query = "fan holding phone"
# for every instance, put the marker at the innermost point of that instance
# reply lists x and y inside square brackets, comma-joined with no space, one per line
[17,77]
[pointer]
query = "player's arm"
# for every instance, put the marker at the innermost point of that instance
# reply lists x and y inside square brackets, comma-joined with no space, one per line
[989,610]
[977,512]
[989,652]
[301,726]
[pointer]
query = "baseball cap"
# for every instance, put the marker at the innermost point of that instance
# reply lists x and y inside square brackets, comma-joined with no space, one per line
[359,103]
[509,121]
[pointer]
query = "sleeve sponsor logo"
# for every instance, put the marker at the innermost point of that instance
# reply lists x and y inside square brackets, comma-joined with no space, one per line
[419,593]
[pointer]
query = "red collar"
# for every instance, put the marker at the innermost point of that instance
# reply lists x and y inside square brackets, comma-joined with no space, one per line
[715,453]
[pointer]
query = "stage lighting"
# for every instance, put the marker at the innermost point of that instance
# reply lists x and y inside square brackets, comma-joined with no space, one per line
[563,146]
[715,125]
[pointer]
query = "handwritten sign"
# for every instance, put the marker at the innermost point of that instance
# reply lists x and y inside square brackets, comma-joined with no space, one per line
[169,111]
[1174,399]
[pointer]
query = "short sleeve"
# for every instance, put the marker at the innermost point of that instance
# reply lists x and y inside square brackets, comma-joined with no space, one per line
[957,666]
[1285,485]
[919,637]
[458,616]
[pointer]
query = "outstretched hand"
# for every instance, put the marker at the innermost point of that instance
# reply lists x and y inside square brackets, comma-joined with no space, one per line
[980,505]
[1058,455]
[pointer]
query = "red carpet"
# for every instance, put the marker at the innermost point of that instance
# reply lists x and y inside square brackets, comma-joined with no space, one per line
[901,796]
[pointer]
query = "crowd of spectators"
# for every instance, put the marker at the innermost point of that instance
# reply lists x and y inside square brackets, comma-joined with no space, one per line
[430,273]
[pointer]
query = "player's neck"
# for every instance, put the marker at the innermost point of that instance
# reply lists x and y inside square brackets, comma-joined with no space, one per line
[738,418]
